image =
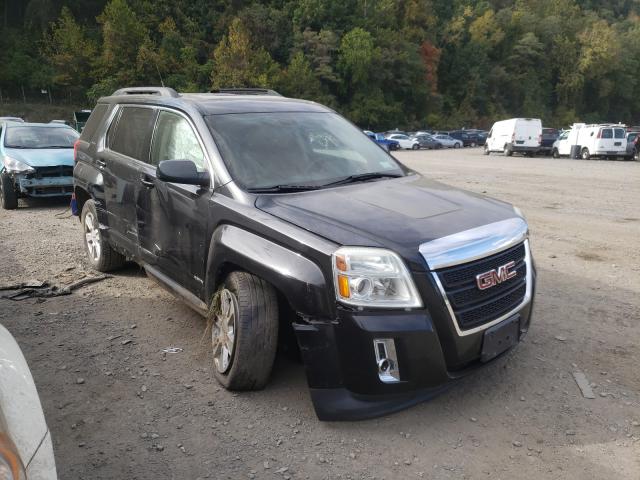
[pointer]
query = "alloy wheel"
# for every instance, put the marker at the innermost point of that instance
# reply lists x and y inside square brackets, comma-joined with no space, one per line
[92,236]
[223,332]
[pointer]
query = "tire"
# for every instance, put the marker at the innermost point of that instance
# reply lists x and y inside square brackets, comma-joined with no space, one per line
[555,153]
[507,151]
[252,305]
[100,255]
[636,156]
[415,147]
[486,150]
[473,144]
[456,145]
[8,195]
[584,154]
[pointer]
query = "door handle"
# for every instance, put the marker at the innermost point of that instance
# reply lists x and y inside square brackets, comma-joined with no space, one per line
[101,163]
[144,180]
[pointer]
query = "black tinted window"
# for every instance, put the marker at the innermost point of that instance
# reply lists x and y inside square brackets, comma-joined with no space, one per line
[95,119]
[618,132]
[132,132]
[606,133]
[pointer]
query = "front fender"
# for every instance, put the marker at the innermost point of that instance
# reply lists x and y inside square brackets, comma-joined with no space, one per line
[299,279]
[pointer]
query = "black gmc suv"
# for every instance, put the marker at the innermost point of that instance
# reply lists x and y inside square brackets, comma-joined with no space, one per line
[276,216]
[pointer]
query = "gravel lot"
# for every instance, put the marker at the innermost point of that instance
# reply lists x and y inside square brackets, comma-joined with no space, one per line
[144,414]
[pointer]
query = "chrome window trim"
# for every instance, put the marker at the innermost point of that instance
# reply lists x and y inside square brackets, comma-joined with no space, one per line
[525,300]
[474,244]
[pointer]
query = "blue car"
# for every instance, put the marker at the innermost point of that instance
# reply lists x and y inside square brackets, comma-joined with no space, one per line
[36,160]
[380,139]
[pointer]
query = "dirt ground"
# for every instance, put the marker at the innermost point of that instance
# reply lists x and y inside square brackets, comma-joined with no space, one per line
[120,408]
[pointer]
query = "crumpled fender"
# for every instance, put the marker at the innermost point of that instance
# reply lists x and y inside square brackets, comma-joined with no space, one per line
[299,279]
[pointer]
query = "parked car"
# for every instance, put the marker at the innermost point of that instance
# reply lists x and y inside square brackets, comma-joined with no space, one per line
[632,145]
[466,139]
[11,119]
[37,161]
[597,140]
[447,141]
[427,141]
[549,136]
[405,141]
[516,135]
[26,450]
[389,281]
[477,137]
[380,139]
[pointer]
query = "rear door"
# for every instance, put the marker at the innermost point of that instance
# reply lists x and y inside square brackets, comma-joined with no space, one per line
[173,218]
[606,141]
[127,146]
[527,133]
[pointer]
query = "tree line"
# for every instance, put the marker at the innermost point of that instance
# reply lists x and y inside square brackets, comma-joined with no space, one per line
[382,63]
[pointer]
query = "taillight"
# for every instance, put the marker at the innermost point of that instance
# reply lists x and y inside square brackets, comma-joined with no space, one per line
[75,150]
[599,135]
[540,139]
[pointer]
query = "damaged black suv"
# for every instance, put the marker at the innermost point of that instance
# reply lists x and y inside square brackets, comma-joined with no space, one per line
[275,215]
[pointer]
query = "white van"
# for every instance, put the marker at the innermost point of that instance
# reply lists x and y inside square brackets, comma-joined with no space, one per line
[521,135]
[599,140]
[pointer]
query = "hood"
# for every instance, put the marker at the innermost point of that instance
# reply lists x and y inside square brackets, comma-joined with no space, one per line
[42,157]
[399,214]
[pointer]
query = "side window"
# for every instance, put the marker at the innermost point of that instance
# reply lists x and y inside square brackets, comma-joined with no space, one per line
[94,121]
[132,132]
[606,133]
[174,139]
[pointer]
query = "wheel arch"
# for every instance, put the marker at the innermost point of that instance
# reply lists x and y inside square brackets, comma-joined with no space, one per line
[297,279]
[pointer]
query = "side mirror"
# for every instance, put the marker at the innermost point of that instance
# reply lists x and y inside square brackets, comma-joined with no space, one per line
[182,171]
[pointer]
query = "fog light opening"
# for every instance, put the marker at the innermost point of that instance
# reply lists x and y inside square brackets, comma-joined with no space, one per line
[386,360]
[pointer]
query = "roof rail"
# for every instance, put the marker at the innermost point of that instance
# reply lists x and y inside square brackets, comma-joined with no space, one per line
[162,91]
[246,91]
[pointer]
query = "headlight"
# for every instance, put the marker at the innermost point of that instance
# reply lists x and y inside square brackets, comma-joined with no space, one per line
[518,211]
[373,277]
[11,467]
[14,165]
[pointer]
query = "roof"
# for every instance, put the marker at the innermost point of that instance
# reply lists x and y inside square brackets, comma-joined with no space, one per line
[33,124]
[222,102]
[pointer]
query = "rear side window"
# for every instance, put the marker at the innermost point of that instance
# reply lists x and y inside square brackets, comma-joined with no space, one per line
[94,121]
[606,133]
[618,132]
[132,133]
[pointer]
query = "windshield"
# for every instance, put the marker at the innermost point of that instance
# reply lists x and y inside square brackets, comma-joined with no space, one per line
[263,150]
[40,137]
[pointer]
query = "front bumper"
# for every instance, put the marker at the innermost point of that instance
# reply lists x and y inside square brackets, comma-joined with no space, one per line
[342,368]
[34,186]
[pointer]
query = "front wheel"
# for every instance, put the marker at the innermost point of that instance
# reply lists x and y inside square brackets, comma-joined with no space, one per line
[100,255]
[585,154]
[555,153]
[486,150]
[244,333]
[507,151]
[473,144]
[415,146]
[456,145]
[8,194]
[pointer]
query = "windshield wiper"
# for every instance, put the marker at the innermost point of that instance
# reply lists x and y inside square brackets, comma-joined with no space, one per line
[283,188]
[362,177]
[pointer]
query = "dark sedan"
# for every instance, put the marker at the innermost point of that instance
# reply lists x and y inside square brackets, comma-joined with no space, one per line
[427,141]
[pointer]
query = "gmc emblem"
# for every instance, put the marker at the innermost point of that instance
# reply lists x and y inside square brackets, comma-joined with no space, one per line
[496,276]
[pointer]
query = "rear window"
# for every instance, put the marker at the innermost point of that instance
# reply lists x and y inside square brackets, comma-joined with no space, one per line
[619,132]
[606,133]
[95,119]
[131,134]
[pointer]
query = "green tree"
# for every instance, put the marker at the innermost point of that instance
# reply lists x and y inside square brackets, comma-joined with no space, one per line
[239,63]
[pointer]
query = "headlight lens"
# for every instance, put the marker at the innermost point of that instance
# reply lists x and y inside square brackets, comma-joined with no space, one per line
[373,277]
[14,165]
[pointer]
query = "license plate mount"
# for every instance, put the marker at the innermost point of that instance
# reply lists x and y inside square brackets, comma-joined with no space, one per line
[500,338]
